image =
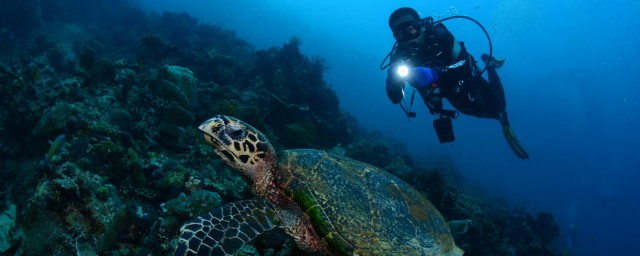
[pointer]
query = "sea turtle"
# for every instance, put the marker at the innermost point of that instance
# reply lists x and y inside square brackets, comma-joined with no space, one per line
[329,204]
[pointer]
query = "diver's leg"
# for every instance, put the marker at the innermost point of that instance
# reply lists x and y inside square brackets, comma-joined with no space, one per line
[496,102]
[492,95]
[496,91]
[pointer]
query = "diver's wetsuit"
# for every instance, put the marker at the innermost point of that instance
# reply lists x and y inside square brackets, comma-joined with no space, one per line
[457,80]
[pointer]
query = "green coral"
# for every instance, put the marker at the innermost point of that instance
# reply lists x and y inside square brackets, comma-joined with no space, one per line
[175,176]
[102,193]
[374,152]
[226,182]
[181,77]
[55,119]
[7,223]
[301,133]
[119,162]
[104,70]
[41,232]
[121,221]
[399,168]
[247,112]
[108,148]
[198,202]
[103,127]
[174,179]
[168,91]
[169,133]
[177,112]
[87,59]
[133,162]
[125,76]
[180,116]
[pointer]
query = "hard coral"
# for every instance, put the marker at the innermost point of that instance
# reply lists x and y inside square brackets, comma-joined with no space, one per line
[198,202]
[301,134]
[181,77]
[169,91]
[104,70]
[373,152]
[87,59]
[180,116]
[153,49]
[54,120]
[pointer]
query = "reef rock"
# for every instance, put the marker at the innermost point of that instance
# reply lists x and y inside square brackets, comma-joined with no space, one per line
[7,223]
[181,77]
[55,119]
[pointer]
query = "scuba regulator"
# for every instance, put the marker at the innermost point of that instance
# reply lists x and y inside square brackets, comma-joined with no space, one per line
[443,124]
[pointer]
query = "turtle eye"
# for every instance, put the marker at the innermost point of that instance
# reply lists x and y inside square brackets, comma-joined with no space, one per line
[235,132]
[238,134]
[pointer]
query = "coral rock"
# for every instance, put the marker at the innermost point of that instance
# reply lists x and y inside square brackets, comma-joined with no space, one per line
[55,119]
[168,91]
[181,77]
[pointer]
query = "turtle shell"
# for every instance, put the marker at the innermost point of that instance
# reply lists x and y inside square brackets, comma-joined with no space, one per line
[358,209]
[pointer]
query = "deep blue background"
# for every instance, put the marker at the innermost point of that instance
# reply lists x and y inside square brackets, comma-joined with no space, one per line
[571,80]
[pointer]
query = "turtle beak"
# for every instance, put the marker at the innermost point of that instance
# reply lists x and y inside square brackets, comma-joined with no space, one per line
[214,134]
[212,128]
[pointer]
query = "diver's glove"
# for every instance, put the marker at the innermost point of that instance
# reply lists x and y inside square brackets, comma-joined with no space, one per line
[394,87]
[422,76]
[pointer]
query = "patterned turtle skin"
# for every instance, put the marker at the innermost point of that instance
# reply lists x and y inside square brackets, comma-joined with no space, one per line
[329,204]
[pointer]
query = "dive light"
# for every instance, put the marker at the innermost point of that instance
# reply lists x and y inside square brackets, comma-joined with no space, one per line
[403,71]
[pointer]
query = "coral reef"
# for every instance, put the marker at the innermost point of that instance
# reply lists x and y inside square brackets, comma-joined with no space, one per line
[127,88]
[494,229]
[7,223]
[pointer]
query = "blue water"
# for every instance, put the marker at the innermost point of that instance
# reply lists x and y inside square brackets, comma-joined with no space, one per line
[571,81]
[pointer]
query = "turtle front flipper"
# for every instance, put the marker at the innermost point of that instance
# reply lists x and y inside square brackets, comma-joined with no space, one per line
[226,229]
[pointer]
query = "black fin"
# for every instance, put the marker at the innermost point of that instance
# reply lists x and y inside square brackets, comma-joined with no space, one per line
[511,138]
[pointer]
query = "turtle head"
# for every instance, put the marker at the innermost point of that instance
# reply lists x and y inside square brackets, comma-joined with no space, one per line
[239,144]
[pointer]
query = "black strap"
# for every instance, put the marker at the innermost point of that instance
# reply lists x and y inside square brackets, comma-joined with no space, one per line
[453,114]
[408,111]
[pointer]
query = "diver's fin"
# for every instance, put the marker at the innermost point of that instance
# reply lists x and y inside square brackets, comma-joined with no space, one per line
[224,230]
[514,143]
[511,138]
[494,62]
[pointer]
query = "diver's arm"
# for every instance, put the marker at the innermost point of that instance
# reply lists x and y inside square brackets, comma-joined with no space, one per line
[432,99]
[455,51]
[426,81]
[449,45]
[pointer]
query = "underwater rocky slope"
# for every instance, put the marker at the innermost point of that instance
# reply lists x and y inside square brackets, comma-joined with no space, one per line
[119,97]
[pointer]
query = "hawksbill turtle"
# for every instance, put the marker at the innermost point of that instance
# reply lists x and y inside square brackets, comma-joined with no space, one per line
[329,204]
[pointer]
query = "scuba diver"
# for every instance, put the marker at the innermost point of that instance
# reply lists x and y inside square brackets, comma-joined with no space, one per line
[427,57]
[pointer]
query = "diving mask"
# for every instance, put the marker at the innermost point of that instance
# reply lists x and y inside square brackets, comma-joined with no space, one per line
[407,31]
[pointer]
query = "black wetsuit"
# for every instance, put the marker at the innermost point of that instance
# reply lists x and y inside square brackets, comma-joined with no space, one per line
[457,79]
